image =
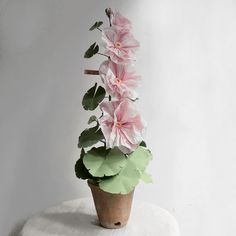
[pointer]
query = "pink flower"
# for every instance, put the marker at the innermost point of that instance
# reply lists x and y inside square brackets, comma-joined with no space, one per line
[120,21]
[119,81]
[121,125]
[120,45]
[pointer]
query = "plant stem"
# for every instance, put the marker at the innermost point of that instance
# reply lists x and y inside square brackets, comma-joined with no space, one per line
[133,100]
[103,142]
[103,55]
[109,13]
[91,72]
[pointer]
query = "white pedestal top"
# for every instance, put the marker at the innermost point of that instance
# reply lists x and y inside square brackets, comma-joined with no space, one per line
[78,218]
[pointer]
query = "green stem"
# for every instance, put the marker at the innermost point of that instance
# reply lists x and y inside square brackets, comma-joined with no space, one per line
[133,100]
[103,142]
[103,55]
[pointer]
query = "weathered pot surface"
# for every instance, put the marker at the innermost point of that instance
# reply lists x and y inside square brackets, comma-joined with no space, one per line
[113,210]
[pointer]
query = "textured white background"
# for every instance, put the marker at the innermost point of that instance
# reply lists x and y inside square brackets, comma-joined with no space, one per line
[188,98]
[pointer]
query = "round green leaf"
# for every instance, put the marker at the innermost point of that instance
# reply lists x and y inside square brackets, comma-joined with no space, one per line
[129,176]
[140,158]
[122,183]
[147,178]
[80,170]
[101,162]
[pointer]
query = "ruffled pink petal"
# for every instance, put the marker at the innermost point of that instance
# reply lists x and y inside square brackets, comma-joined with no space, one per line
[120,82]
[124,128]
[120,21]
[123,53]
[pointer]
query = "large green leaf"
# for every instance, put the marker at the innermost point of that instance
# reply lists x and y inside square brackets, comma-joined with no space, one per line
[90,137]
[122,183]
[96,25]
[92,50]
[101,162]
[145,177]
[93,97]
[129,176]
[80,170]
[140,158]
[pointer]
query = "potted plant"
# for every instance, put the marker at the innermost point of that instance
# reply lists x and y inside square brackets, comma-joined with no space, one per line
[113,155]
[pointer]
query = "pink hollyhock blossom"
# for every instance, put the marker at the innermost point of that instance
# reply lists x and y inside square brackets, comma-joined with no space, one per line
[119,81]
[121,125]
[120,21]
[120,45]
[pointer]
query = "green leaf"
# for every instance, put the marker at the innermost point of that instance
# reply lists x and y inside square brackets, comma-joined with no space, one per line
[143,144]
[89,52]
[96,49]
[96,25]
[92,119]
[101,162]
[140,158]
[129,176]
[93,97]
[92,50]
[147,178]
[80,170]
[122,183]
[90,137]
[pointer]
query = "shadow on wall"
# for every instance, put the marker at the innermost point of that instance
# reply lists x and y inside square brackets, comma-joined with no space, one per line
[41,46]
[16,231]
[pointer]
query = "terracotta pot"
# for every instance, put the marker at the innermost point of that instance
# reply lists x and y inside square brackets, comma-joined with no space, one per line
[113,210]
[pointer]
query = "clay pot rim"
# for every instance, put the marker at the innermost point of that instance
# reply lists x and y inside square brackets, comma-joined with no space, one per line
[91,184]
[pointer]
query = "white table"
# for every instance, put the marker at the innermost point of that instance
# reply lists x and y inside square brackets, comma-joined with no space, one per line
[78,218]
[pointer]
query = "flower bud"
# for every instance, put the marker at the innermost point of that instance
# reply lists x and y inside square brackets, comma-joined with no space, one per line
[109,12]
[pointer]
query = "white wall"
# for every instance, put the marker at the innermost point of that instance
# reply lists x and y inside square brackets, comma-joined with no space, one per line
[188,97]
